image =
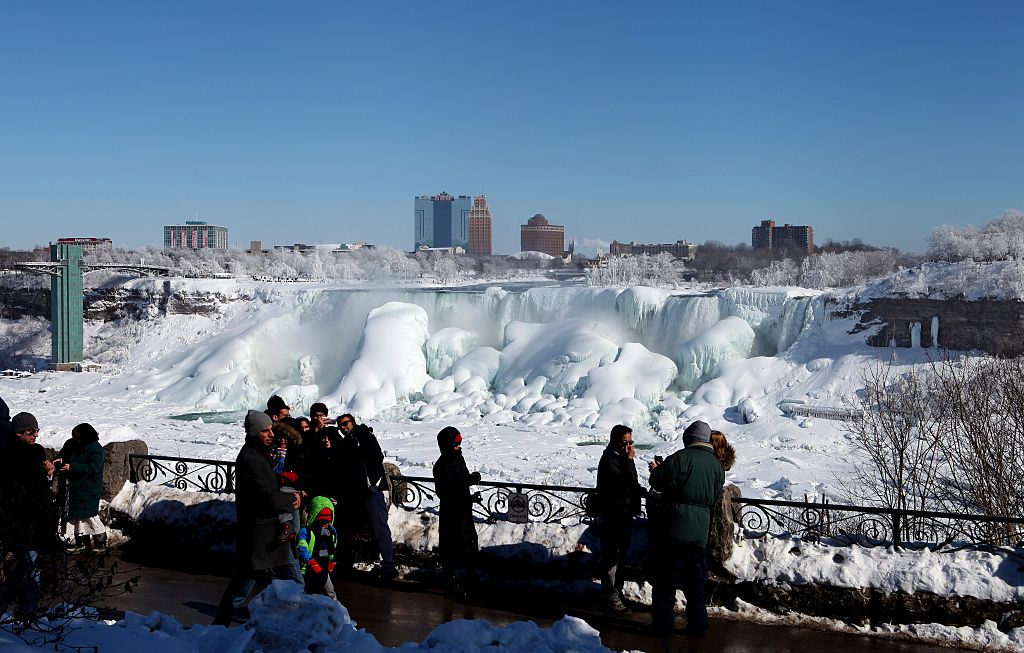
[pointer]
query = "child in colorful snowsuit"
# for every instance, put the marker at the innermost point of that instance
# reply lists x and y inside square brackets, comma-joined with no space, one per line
[318,541]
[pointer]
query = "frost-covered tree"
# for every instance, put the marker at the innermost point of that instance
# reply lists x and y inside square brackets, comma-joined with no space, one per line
[998,239]
[643,270]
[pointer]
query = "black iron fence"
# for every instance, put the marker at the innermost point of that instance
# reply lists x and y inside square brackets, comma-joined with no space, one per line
[195,474]
[566,504]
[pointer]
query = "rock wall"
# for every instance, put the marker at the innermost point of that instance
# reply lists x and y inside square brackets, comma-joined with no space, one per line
[116,302]
[993,326]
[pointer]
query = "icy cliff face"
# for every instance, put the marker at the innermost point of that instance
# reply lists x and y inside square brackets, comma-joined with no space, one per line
[560,354]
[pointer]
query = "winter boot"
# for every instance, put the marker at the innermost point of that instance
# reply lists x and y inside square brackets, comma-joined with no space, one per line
[98,542]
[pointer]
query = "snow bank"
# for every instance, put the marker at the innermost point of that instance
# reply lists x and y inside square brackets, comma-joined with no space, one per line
[284,619]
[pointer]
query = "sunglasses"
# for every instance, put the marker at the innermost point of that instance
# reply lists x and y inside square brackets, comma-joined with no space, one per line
[30,432]
[347,423]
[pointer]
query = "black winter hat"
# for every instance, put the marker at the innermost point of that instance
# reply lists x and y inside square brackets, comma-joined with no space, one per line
[447,438]
[275,403]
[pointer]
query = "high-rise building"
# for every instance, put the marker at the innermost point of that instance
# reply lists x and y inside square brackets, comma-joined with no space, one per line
[442,220]
[195,234]
[479,227]
[538,235]
[768,236]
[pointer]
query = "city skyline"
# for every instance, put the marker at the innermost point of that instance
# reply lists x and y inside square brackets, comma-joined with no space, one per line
[646,123]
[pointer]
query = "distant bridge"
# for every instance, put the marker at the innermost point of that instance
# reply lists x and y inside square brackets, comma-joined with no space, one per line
[57,268]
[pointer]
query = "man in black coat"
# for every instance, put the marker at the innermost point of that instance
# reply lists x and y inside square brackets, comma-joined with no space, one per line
[259,503]
[6,434]
[28,512]
[458,541]
[619,493]
[321,446]
[362,466]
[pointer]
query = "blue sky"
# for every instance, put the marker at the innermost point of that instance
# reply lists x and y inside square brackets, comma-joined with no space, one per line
[646,121]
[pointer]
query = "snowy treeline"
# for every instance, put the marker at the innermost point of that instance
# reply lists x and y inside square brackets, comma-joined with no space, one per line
[997,239]
[828,270]
[376,264]
[644,270]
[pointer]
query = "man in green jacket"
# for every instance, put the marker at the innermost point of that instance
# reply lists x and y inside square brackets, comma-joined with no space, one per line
[684,488]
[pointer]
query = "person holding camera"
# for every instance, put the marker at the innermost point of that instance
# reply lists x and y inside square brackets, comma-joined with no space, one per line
[80,468]
[619,493]
[458,545]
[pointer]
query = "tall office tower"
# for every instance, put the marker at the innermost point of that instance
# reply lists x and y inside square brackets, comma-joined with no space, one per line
[480,227]
[195,234]
[442,220]
[537,235]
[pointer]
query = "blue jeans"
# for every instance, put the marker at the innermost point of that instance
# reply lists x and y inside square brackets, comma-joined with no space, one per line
[377,513]
[685,566]
[243,582]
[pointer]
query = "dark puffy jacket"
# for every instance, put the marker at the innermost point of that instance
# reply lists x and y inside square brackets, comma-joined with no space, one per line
[6,434]
[362,463]
[690,482]
[457,533]
[618,490]
[321,463]
[85,477]
[258,503]
[29,512]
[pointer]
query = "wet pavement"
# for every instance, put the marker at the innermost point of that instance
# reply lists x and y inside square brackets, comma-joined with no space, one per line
[406,612]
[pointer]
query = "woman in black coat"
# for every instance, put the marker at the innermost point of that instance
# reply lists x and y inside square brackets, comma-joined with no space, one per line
[458,541]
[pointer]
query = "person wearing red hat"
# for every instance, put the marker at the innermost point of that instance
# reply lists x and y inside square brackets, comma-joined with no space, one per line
[458,545]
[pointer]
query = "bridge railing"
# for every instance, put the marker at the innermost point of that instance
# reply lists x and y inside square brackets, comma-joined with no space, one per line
[566,504]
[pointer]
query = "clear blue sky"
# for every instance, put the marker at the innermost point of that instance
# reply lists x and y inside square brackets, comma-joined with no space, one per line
[646,121]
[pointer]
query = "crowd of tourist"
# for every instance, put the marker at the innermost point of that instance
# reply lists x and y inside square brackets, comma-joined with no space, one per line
[305,486]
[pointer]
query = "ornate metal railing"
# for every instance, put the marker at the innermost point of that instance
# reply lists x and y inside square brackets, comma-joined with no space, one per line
[500,501]
[195,474]
[872,526]
[565,504]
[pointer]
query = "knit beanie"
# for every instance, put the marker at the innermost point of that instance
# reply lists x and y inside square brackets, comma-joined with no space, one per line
[255,422]
[85,433]
[447,438]
[697,432]
[24,422]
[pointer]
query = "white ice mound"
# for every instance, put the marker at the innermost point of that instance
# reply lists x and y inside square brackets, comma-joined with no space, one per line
[749,410]
[563,352]
[390,366]
[697,358]
[482,362]
[637,373]
[445,347]
[639,305]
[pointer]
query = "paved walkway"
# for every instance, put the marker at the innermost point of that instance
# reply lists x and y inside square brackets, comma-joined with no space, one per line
[407,612]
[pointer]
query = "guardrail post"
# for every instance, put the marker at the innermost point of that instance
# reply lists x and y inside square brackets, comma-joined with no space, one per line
[897,526]
[229,483]
[132,474]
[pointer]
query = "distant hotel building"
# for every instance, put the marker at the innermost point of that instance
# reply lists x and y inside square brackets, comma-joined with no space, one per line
[768,236]
[88,244]
[680,249]
[442,220]
[538,235]
[195,234]
[479,228]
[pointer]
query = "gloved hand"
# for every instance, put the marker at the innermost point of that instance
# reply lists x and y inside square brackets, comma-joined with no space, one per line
[477,498]
[330,566]
[474,478]
[315,566]
[289,477]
